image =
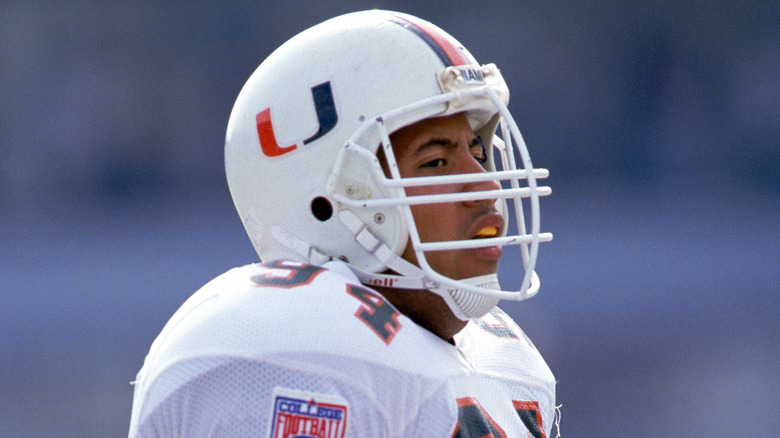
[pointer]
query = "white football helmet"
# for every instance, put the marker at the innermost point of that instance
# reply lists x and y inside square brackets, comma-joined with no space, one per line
[301,153]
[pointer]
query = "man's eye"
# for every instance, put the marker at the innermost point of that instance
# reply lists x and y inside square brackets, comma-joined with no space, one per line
[478,151]
[479,154]
[435,163]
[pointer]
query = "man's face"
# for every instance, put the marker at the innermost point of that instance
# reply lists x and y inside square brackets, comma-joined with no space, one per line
[446,146]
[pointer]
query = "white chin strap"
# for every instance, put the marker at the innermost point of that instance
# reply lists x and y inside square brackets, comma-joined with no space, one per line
[470,304]
[464,304]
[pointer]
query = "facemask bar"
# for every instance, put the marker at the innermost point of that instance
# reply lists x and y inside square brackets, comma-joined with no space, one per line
[509,131]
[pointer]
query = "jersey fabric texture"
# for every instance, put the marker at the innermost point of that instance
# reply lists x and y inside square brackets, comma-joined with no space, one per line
[285,349]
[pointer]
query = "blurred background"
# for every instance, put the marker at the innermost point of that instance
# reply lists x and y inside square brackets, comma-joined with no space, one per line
[659,121]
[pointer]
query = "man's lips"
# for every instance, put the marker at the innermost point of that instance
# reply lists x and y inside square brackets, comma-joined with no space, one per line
[488,226]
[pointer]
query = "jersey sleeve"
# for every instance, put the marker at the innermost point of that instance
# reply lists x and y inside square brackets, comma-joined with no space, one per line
[228,397]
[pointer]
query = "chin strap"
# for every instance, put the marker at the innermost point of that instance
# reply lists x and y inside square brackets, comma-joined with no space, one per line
[464,304]
[469,304]
[411,277]
[303,249]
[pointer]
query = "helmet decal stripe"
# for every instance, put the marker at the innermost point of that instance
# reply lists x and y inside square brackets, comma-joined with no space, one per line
[448,53]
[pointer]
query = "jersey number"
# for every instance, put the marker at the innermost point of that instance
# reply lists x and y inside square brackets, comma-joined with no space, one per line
[474,422]
[529,414]
[376,313]
[498,327]
[285,274]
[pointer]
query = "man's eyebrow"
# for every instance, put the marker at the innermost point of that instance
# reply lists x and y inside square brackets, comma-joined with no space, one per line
[443,142]
[433,143]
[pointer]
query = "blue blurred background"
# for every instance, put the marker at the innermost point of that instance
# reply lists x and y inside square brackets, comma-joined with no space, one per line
[659,121]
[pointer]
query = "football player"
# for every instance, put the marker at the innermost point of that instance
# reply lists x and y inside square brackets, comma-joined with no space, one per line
[380,178]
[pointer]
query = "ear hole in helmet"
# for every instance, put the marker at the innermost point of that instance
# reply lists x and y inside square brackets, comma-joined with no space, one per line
[321,208]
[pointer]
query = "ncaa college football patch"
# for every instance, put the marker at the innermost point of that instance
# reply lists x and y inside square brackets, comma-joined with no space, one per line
[299,414]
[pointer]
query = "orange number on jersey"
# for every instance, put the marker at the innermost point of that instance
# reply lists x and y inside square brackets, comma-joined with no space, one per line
[474,422]
[285,274]
[376,313]
[532,418]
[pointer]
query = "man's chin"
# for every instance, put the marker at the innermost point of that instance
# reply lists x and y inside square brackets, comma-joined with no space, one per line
[489,253]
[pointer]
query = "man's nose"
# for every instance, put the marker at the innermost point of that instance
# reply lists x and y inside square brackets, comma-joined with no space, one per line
[471,165]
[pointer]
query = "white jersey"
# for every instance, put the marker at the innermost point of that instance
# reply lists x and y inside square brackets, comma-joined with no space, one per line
[291,350]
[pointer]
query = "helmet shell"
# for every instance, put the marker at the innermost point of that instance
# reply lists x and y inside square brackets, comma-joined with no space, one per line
[305,101]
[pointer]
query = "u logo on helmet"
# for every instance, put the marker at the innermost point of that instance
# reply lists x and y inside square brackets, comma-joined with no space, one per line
[326,117]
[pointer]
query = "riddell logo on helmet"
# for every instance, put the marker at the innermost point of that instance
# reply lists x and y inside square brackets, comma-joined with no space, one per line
[326,117]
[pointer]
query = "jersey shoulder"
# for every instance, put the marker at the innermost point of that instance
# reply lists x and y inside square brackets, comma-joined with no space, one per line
[296,312]
[496,345]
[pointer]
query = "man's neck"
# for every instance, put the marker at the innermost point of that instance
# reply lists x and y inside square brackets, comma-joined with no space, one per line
[426,309]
